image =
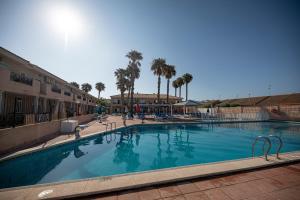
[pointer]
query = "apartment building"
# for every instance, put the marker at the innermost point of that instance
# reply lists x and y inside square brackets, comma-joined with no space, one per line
[30,94]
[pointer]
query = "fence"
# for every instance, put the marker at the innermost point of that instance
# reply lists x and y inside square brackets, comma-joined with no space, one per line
[253,113]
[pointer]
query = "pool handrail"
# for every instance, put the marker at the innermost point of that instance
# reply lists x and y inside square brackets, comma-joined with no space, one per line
[265,139]
[280,144]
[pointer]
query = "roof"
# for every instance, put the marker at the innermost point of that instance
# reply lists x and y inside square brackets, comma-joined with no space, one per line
[285,99]
[187,103]
[147,96]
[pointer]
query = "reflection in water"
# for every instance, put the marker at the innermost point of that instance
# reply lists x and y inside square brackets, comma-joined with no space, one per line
[183,144]
[77,152]
[160,161]
[124,151]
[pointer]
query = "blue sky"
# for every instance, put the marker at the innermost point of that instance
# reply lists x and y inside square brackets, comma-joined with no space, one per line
[231,47]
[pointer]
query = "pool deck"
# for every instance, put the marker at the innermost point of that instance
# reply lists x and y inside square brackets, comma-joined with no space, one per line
[268,184]
[190,182]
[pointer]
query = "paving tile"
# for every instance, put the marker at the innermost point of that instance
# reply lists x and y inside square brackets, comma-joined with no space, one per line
[206,184]
[263,196]
[216,194]
[285,181]
[168,191]
[113,197]
[128,196]
[241,191]
[187,187]
[196,196]
[180,197]
[238,178]
[285,194]
[149,194]
[264,185]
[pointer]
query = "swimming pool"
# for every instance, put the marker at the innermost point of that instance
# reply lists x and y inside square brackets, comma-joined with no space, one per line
[143,148]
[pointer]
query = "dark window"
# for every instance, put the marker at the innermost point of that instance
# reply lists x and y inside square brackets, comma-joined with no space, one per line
[67,93]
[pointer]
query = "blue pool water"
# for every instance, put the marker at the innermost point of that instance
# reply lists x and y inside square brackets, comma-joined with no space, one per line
[143,148]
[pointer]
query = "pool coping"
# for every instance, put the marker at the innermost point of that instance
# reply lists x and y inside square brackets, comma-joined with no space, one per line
[72,139]
[98,185]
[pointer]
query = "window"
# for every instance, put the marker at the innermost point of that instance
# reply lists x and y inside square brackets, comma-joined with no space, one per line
[18,105]
[67,93]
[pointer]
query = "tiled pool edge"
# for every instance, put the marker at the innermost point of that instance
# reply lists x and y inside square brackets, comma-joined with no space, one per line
[143,179]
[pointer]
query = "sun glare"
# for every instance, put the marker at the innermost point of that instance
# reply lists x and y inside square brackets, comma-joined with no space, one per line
[66,22]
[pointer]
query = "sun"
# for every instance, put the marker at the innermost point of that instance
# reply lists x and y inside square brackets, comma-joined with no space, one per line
[67,22]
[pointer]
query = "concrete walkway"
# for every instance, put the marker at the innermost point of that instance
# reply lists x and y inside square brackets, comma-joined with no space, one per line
[281,183]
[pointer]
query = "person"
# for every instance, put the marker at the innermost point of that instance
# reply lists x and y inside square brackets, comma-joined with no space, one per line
[124,119]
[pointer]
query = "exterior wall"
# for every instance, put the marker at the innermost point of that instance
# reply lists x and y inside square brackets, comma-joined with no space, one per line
[26,81]
[280,112]
[18,137]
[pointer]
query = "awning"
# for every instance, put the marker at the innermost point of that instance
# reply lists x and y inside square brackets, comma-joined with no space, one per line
[187,103]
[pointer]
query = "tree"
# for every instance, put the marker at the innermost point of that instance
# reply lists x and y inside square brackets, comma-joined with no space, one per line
[187,78]
[75,84]
[169,71]
[100,87]
[133,71]
[157,67]
[86,87]
[122,82]
[180,83]
[174,84]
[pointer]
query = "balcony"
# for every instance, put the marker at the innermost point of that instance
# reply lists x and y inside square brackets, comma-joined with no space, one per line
[21,78]
[56,89]
[17,83]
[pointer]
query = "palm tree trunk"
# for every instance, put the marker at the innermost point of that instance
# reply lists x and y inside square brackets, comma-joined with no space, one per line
[180,91]
[98,94]
[158,90]
[175,92]
[122,102]
[186,91]
[168,82]
[128,95]
[131,98]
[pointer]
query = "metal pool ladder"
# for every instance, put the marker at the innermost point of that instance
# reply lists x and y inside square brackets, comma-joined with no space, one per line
[267,139]
[111,126]
[280,144]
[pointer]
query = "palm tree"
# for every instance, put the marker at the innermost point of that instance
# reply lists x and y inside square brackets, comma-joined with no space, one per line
[169,71]
[86,87]
[75,84]
[122,82]
[100,87]
[133,71]
[157,67]
[180,83]
[174,84]
[187,78]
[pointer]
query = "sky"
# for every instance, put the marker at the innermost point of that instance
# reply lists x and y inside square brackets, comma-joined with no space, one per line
[233,48]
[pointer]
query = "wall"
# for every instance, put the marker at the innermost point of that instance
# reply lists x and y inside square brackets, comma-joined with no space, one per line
[12,139]
[281,112]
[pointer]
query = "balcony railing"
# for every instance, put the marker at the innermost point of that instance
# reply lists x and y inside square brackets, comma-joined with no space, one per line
[56,89]
[21,78]
[67,93]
